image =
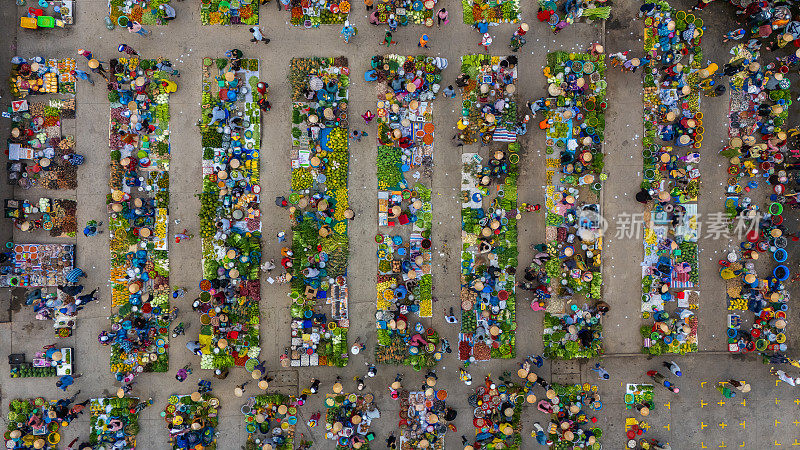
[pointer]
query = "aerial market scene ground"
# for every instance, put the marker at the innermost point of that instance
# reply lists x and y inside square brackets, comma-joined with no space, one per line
[499,224]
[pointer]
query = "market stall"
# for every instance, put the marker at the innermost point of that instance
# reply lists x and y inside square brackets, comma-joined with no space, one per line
[673,135]
[406,89]
[576,334]
[56,216]
[488,209]
[406,12]
[36,423]
[313,13]
[48,362]
[229,12]
[270,419]
[319,211]
[192,421]
[568,13]
[348,418]
[570,407]
[138,206]
[39,154]
[39,265]
[575,126]
[114,422]
[230,215]
[497,409]
[761,159]
[424,418]
[492,11]
[145,12]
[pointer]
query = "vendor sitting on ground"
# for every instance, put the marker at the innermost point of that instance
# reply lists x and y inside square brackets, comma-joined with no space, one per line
[219,114]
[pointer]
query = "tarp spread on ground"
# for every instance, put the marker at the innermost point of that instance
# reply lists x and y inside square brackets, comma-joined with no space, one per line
[759,107]
[138,205]
[348,418]
[575,125]
[230,218]
[39,265]
[406,89]
[673,133]
[48,14]
[488,209]
[319,211]
[39,154]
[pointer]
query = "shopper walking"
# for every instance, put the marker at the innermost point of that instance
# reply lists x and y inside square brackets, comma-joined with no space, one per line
[136,27]
[442,17]
[369,4]
[83,75]
[601,372]
[423,41]
[673,367]
[127,49]
[257,35]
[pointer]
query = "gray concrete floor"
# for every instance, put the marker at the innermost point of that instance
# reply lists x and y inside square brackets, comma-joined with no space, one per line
[692,419]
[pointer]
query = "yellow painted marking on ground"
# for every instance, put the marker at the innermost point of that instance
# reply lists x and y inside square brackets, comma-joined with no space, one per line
[743,423]
[742,444]
[777,423]
[777,401]
[667,427]
[744,402]
[702,425]
[723,425]
[795,442]
[776,443]
[667,405]
[797,401]
[703,404]
[776,382]
[796,422]
[703,445]
[702,385]
[721,403]
[723,445]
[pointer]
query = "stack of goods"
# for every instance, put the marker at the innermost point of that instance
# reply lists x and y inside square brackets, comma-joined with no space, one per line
[491,11]
[229,12]
[406,89]
[424,418]
[313,13]
[497,410]
[572,12]
[139,215]
[39,155]
[49,362]
[673,134]
[639,395]
[115,422]
[145,12]
[348,419]
[39,265]
[319,211]
[575,124]
[192,421]
[270,419]
[230,218]
[406,12]
[760,101]
[57,216]
[35,423]
[55,13]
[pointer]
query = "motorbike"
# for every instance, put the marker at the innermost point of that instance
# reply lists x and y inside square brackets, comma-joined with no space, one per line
[180,329]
